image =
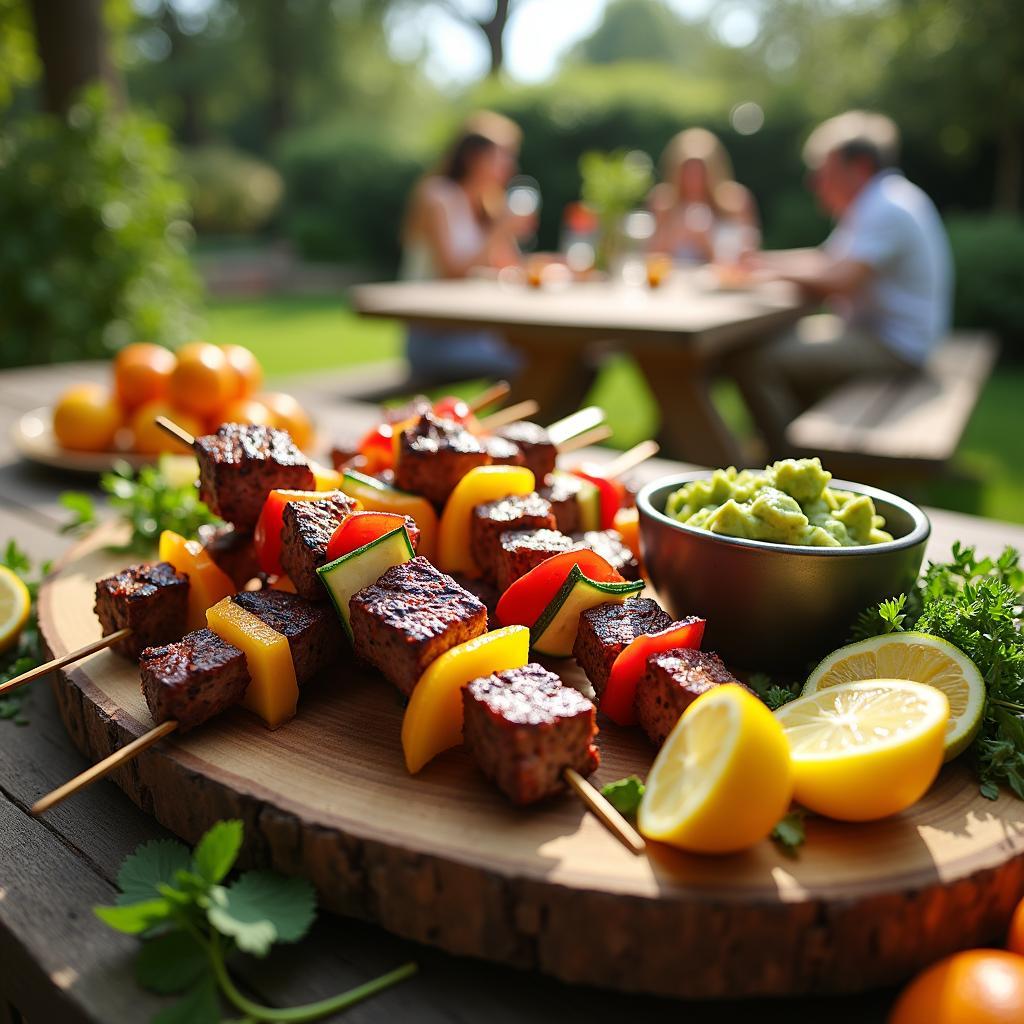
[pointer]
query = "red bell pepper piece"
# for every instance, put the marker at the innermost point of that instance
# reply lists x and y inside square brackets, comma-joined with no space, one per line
[359,529]
[523,602]
[267,535]
[618,699]
[378,448]
[452,408]
[611,491]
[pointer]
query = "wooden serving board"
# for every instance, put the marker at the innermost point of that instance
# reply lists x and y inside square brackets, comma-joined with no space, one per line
[443,859]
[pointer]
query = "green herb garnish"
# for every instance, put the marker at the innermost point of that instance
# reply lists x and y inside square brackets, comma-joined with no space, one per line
[624,795]
[773,694]
[790,834]
[189,922]
[28,651]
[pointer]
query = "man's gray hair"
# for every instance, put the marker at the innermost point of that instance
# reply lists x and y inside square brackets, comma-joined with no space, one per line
[853,135]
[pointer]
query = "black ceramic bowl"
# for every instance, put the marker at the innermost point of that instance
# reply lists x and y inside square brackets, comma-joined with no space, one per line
[775,607]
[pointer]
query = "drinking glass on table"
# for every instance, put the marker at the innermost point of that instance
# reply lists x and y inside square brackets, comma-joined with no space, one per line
[523,199]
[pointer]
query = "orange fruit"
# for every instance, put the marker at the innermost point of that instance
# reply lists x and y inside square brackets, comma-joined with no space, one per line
[149,439]
[86,418]
[246,370]
[246,410]
[289,415]
[203,381]
[1015,936]
[142,373]
[980,986]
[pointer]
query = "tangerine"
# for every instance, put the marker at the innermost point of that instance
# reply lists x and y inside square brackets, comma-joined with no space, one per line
[1015,936]
[86,418]
[142,373]
[247,410]
[288,415]
[149,439]
[246,370]
[203,381]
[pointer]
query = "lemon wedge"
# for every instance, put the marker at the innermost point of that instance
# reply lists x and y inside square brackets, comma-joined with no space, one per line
[865,750]
[14,608]
[920,658]
[722,780]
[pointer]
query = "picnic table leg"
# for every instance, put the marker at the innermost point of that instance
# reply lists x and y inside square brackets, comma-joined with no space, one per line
[556,376]
[691,428]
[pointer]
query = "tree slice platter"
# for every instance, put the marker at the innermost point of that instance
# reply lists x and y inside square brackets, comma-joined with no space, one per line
[443,859]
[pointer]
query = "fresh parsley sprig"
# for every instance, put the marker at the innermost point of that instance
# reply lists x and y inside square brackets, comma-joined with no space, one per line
[190,921]
[772,693]
[28,651]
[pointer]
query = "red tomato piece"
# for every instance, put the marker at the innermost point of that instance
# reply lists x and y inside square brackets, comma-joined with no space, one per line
[359,529]
[452,408]
[377,447]
[611,491]
[523,602]
[618,699]
[267,535]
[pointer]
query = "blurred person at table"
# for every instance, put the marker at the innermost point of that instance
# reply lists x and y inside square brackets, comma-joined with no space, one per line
[701,213]
[457,221]
[886,271]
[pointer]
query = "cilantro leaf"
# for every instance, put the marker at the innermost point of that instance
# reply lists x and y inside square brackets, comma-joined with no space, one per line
[624,795]
[135,918]
[789,833]
[773,694]
[216,852]
[170,963]
[153,864]
[262,908]
[200,1006]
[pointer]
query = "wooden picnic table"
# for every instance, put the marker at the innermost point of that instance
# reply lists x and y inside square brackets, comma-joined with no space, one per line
[59,963]
[677,334]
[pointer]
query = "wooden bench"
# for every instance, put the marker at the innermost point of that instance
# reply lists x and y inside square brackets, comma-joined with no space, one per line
[886,426]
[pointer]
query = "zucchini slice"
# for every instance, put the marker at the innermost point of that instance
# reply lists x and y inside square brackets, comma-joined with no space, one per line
[588,498]
[346,576]
[554,633]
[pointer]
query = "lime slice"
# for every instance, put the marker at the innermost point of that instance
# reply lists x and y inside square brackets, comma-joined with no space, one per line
[178,470]
[921,658]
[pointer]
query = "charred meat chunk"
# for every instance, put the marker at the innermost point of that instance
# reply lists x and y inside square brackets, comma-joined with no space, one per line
[239,465]
[434,455]
[312,631]
[150,600]
[610,546]
[524,728]
[605,631]
[306,530]
[194,679]
[523,550]
[493,518]
[538,450]
[503,452]
[409,617]
[672,682]
[563,493]
[232,551]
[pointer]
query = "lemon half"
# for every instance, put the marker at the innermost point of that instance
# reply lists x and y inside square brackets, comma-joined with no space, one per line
[15,604]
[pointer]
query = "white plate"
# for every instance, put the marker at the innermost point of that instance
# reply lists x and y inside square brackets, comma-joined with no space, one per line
[34,439]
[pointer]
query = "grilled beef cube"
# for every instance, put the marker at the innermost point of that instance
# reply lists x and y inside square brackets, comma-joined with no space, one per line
[239,465]
[493,518]
[194,679]
[562,492]
[416,406]
[539,451]
[434,455]
[525,728]
[150,600]
[503,452]
[233,551]
[307,528]
[523,550]
[672,682]
[609,545]
[606,630]
[312,630]
[409,617]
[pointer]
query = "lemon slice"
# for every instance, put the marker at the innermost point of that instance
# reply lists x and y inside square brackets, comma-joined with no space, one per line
[722,780]
[14,607]
[865,750]
[922,659]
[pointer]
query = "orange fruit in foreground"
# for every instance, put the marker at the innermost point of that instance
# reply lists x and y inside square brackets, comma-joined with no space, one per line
[289,415]
[142,373]
[203,381]
[246,370]
[1015,936]
[246,410]
[86,418]
[980,986]
[149,439]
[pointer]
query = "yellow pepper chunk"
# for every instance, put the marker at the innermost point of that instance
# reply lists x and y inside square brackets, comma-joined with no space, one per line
[433,718]
[627,522]
[376,496]
[273,691]
[480,485]
[326,479]
[207,582]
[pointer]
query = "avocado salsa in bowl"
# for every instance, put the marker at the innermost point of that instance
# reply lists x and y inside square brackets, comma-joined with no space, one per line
[779,561]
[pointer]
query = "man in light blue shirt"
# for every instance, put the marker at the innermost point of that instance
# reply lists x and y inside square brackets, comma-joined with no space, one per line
[885,270]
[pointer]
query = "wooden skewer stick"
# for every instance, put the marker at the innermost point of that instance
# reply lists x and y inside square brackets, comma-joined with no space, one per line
[605,813]
[561,430]
[175,431]
[104,767]
[65,659]
[489,396]
[628,460]
[510,414]
[588,437]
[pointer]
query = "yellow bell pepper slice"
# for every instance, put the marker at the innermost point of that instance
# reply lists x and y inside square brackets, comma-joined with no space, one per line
[480,485]
[207,582]
[627,522]
[326,479]
[433,717]
[376,496]
[273,691]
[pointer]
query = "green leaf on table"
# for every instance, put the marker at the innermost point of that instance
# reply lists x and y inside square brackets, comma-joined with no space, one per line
[262,908]
[171,963]
[135,918]
[16,559]
[217,851]
[790,834]
[200,1006]
[82,509]
[153,864]
[624,795]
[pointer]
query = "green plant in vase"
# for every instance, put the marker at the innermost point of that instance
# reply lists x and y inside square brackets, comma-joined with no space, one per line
[613,184]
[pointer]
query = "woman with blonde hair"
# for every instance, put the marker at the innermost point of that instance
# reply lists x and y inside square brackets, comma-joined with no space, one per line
[701,212]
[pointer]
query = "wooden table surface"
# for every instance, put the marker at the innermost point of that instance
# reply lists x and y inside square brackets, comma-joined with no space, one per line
[59,963]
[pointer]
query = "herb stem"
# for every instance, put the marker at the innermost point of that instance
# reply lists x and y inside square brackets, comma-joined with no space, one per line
[1008,704]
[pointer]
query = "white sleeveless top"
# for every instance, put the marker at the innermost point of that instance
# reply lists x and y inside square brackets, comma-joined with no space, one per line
[465,234]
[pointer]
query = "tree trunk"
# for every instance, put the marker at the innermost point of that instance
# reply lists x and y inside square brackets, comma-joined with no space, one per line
[71,40]
[277,43]
[1009,166]
[494,30]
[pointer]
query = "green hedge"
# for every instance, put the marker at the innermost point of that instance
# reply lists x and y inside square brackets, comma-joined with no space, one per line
[230,192]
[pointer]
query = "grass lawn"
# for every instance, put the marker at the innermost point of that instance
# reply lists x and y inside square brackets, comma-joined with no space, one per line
[295,334]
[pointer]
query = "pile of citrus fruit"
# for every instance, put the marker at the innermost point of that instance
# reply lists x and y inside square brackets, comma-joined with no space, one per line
[199,387]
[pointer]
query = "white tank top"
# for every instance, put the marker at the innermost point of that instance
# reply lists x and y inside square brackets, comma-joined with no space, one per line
[465,234]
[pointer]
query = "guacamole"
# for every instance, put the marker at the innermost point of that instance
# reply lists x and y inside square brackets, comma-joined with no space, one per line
[790,502]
